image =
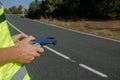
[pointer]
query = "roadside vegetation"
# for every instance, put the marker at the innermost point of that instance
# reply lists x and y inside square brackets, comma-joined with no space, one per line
[92,16]
[109,29]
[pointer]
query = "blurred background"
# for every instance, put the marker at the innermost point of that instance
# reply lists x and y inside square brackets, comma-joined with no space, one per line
[92,16]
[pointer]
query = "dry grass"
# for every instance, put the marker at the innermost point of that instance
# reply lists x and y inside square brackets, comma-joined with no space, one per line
[110,29]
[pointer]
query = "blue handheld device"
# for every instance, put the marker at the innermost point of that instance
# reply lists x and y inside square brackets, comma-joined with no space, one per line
[44,41]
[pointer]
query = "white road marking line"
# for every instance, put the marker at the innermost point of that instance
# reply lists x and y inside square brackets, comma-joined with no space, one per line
[56,52]
[66,57]
[93,70]
[81,65]
[15,27]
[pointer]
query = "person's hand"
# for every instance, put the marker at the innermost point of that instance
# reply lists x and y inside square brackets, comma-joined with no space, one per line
[16,38]
[25,52]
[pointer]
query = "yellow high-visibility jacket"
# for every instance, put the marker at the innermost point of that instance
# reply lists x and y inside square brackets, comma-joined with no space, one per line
[8,70]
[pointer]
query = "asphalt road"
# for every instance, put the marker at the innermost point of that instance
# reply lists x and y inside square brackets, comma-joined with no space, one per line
[76,56]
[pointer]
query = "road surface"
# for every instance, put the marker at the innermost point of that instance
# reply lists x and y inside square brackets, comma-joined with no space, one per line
[77,56]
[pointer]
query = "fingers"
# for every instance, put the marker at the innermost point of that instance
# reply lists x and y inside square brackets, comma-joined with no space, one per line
[26,51]
[38,51]
[19,37]
[34,54]
[28,39]
[23,35]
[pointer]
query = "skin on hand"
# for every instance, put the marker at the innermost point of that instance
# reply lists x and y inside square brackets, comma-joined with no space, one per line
[26,52]
[17,37]
[22,52]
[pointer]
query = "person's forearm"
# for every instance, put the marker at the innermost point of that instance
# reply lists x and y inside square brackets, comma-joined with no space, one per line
[6,55]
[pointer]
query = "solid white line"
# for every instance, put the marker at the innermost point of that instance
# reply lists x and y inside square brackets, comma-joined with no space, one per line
[15,27]
[56,52]
[93,70]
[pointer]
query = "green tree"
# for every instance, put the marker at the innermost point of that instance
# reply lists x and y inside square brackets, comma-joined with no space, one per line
[68,8]
[7,11]
[48,6]
[20,8]
[36,0]
[111,9]
[13,10]
[34,10]
[92,9]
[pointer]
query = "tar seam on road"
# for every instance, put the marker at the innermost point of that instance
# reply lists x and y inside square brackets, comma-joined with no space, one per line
[66,57]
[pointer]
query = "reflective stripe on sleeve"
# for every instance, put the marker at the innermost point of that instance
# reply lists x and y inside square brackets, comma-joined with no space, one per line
[20,74]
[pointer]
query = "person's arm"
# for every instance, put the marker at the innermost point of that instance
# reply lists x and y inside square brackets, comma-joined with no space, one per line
[21,52]
[6,55]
